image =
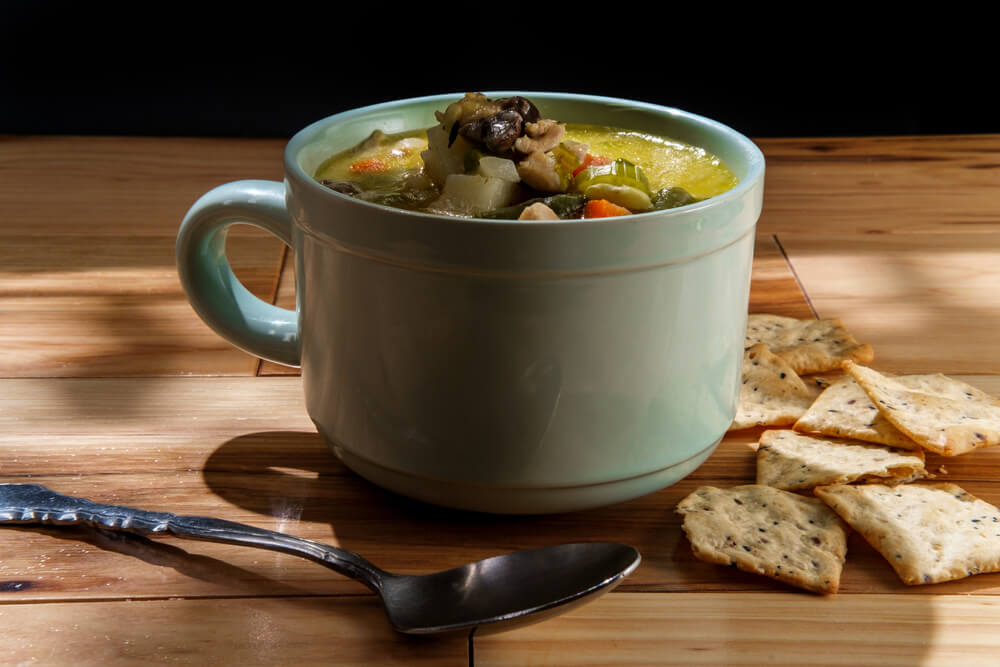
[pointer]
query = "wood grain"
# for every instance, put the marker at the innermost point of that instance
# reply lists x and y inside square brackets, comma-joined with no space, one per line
[773,286]
[111,388]
[900,238]
[926,303]
[634,629]
[118,187]
[243,449]
[284,296]
[246,631]
[85,318]
[763,629]
[88,284]
[881,185]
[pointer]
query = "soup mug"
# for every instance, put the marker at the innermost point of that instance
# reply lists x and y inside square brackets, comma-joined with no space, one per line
[489,365]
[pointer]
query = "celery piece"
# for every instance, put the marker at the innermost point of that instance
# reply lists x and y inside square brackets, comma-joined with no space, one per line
[566,160]
[565,205]
[672,198]
[471,161]
[631,198]
[619,172]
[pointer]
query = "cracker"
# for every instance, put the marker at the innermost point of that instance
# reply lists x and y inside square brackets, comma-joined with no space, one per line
[772,394]
[929,533]
[844,410]
[765,530]
[794,461]
[941,414]
[809,346]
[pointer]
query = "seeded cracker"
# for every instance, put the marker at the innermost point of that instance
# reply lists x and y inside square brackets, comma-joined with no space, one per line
[772,394]
[793,461]
[943,415]
[809,346]
[844,410]
[929,533]
[764,530]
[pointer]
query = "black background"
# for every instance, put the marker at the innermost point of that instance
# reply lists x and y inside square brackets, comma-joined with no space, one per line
[266,70]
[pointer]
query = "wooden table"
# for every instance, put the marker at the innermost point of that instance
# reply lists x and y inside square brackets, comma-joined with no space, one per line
[112,388]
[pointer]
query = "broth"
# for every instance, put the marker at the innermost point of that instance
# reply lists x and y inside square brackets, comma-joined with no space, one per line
[471,170]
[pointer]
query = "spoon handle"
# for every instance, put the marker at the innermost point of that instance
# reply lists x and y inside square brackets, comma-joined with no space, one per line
[34,503]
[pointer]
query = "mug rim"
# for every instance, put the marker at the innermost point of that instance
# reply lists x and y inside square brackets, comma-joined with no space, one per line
[754,157]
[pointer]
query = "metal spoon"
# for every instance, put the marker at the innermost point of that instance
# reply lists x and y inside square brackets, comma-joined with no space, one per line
[489,596]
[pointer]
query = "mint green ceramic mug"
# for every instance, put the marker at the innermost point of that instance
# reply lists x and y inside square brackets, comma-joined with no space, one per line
[498,366]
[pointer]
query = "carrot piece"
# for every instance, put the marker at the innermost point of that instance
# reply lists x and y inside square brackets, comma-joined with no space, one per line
[590,161]
[371,165]
[602,208]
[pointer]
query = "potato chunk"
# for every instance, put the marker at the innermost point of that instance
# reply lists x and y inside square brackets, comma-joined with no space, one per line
[472,194]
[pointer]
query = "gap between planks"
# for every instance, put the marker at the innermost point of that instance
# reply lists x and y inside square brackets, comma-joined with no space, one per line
[274,292]
[795,275]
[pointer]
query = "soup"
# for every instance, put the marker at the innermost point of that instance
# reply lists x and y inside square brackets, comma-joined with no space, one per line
[499,158]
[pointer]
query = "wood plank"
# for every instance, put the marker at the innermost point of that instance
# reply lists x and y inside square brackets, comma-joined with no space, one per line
[926,303]
[102,321]
[773,286]
[246,631]
[119,408]
[250,454]
[117,187]
[756,629]
[881,185]
[896,236]
[88,284]
[284,296]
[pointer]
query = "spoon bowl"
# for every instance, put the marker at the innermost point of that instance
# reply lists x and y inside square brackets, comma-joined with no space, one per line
[487,596]
[506,591]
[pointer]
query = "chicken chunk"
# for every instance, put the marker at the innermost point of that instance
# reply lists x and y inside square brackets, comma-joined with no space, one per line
[541,137]
[538,211]
[538,171]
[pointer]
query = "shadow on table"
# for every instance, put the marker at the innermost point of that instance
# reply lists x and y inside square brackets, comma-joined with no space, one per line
[293,476]
[115,307]
[161,554]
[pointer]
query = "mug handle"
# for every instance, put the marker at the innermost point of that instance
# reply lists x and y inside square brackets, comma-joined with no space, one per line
[217,295]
